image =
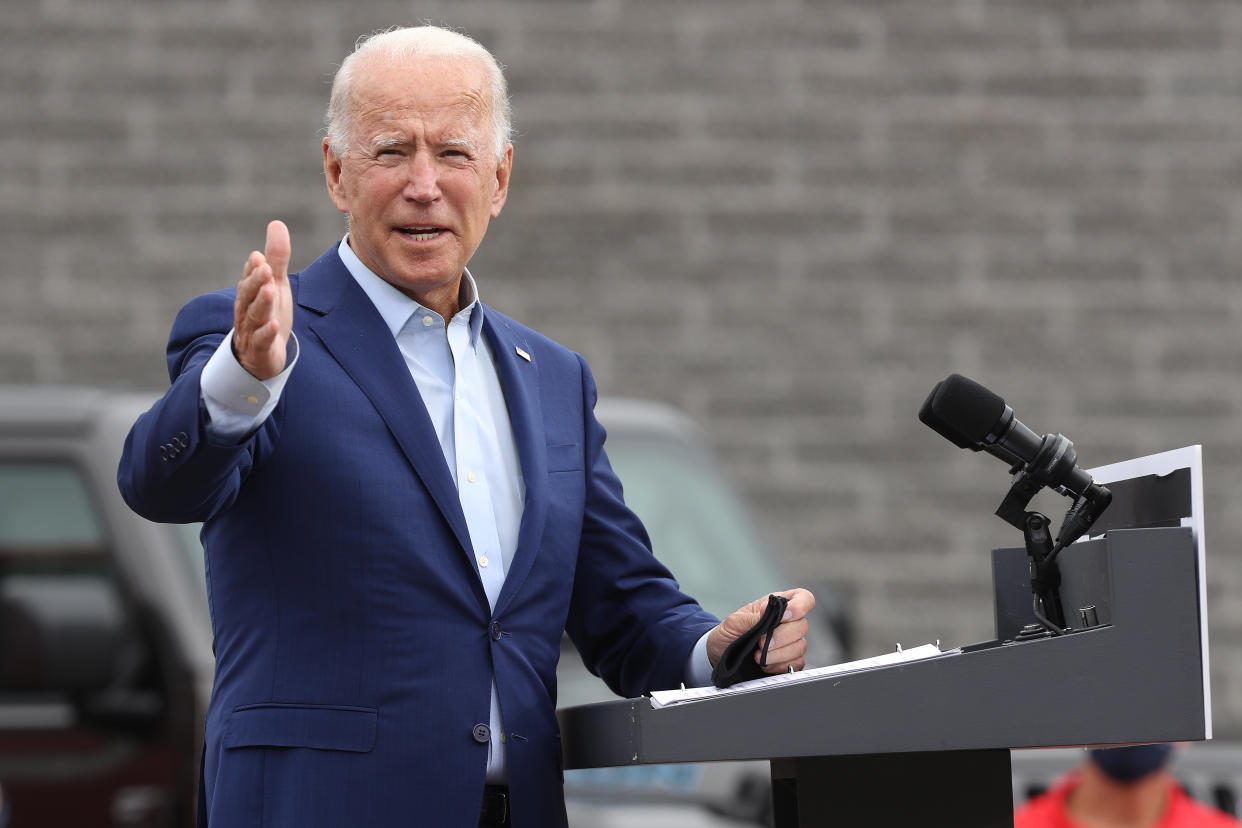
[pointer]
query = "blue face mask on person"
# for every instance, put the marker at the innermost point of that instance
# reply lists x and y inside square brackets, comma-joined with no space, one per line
[1131,763]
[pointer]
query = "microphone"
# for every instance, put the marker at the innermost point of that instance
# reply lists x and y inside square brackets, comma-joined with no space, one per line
[971,416]
[988,404]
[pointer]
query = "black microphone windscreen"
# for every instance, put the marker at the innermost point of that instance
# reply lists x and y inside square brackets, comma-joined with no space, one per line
[928,417]
[967,407]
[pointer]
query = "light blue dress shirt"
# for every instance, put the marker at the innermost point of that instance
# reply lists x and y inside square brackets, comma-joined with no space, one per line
[456,376]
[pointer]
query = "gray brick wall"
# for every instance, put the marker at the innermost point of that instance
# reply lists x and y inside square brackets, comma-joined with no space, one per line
[789,218]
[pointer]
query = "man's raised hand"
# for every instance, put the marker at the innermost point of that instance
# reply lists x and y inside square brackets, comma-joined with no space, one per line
[263,310]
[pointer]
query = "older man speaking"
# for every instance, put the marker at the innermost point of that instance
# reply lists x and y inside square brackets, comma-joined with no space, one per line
[405,494]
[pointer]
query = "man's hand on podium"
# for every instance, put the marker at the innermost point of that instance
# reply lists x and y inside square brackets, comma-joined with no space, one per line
[788,647]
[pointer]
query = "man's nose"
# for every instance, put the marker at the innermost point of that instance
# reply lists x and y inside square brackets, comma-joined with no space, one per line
[423,184]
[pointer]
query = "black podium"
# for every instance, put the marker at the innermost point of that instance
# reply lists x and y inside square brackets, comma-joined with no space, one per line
[927,742]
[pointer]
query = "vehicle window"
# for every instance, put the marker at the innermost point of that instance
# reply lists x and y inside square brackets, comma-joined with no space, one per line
[47,520]
[698,528]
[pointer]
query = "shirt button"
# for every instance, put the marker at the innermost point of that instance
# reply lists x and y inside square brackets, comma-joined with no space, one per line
[252,399]
[483,560]
[428,321]
[471,477]
[482,734]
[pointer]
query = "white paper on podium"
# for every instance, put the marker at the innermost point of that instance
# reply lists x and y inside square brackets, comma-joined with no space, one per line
[665,698]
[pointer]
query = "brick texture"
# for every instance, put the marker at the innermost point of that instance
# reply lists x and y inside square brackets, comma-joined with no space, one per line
[790,218]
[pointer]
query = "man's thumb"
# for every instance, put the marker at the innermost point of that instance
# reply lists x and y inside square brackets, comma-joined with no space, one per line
[278,249]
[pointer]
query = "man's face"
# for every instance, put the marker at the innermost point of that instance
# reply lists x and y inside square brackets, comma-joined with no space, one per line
[420,180]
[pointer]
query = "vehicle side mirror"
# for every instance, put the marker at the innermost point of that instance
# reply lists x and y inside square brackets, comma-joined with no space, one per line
[62,633]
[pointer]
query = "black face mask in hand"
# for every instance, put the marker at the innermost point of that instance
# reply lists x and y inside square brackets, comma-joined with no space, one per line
[737,662]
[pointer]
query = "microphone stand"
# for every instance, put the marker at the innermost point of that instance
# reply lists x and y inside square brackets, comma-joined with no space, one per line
[1028,480]
[1045,574]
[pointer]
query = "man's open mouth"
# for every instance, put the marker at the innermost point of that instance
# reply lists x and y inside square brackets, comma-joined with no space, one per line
[421,233]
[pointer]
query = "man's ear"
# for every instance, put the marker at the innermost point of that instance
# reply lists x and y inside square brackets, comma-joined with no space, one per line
[332,172]
[503,170]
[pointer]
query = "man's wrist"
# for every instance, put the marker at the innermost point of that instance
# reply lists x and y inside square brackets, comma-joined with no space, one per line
[698,670]
[236,401]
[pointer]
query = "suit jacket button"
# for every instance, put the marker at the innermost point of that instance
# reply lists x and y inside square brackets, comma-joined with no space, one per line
[496,633]
[482,734]
[163,452]
[182,440]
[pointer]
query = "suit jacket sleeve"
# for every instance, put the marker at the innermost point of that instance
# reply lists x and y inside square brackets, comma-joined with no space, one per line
[630,621]
[172,470]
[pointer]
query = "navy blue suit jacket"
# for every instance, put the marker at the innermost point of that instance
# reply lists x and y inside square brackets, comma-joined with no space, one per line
[354,643]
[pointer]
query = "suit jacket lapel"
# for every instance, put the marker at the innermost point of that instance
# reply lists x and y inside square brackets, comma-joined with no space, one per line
[519,378]
[352,330]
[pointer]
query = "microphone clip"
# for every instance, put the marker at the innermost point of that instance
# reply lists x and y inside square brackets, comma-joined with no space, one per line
[1012,509]
[1053,465]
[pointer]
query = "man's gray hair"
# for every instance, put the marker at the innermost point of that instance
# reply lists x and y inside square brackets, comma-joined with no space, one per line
[418,41]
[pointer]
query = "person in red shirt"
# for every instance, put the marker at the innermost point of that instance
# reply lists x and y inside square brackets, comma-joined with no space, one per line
[1125,787]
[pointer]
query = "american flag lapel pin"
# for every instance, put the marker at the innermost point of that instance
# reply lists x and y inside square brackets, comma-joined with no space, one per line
[522,353]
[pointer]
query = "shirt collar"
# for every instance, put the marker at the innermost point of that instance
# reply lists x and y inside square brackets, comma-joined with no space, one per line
[396,308]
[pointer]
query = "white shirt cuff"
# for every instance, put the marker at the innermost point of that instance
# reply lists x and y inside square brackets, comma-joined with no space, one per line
[237,403]
[698,667]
